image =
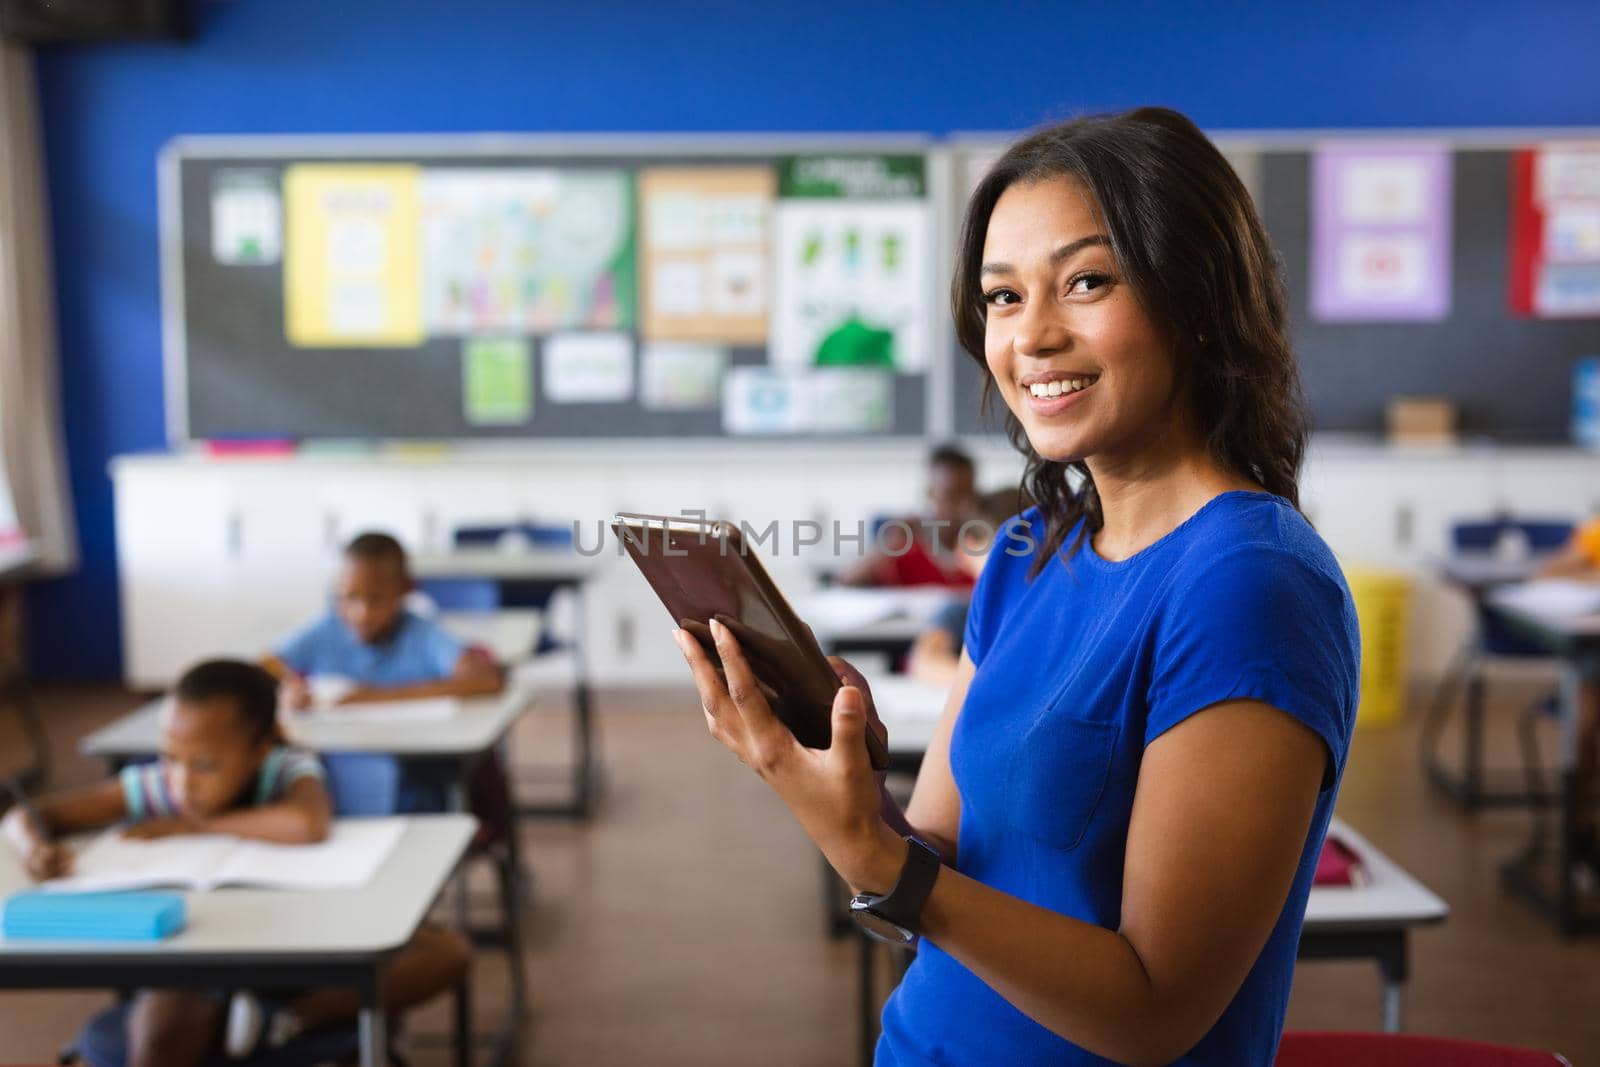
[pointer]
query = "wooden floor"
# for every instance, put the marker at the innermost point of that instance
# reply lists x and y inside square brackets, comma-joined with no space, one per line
[682,924]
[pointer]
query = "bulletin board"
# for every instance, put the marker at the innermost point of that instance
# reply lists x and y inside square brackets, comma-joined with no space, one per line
[527,287]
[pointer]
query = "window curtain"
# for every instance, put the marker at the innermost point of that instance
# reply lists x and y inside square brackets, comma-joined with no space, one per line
[30,396]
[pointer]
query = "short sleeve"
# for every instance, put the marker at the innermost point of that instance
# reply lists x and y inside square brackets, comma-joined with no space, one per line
[299,650]
[1260,623]
[144,792]
[1004,574]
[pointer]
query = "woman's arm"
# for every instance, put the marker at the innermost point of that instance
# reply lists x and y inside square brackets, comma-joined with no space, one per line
[302,817]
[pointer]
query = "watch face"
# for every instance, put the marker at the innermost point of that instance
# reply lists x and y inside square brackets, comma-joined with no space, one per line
[882,929]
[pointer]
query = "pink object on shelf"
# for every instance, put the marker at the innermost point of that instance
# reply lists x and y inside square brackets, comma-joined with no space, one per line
[230,448]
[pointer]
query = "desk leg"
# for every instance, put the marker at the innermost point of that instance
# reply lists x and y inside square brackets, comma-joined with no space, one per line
[1395,965]
[372,1025]
[462,1036]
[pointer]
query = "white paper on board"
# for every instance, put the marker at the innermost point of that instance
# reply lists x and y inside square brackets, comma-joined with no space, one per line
[677,287]
[852,401]
[246,218]
[681,375]
[1384,192]
[737,285]
[1382,266]
[588,368]
[761,400]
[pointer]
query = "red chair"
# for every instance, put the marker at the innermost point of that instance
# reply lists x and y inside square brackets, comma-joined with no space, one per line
[1314,1049]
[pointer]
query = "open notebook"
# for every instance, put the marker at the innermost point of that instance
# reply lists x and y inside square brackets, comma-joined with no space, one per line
[348,859]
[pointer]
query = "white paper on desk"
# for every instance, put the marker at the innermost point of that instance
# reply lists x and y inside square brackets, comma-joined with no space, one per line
[1561,598]
[842,608]
[352,853]
[383,712]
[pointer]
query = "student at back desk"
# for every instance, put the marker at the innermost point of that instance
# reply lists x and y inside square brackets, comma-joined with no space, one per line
[224,769]
[390,653]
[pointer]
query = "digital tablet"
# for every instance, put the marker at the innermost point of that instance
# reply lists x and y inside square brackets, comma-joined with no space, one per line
[702,570]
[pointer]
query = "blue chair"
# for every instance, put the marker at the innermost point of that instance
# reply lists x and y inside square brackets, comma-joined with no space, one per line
[1490,640]
[103,1042]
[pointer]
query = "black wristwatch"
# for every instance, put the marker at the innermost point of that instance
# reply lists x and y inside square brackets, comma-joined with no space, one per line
[894,917]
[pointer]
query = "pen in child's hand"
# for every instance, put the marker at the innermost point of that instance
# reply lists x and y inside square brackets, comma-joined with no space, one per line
[29,813]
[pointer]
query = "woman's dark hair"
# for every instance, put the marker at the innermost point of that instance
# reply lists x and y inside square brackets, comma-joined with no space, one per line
[252,690]
[1187,239]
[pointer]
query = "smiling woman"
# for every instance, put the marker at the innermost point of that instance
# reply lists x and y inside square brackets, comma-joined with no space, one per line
[1111,841]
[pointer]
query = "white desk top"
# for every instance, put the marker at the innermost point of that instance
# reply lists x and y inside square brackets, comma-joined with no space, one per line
[847,613]
[532,564]
[1508,601]
[910,709]
[243,924]
[477,727]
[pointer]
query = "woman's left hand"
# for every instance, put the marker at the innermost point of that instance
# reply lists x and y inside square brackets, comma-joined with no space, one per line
[833,792]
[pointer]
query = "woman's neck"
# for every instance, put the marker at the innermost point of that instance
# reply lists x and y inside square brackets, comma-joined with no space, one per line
[1145,497]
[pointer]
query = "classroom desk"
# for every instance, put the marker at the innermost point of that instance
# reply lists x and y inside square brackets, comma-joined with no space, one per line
[476,729]
[540,570]
[1476,575]
[460,740]
[881,621]
[1553,893]
[1366,922]
[246,938]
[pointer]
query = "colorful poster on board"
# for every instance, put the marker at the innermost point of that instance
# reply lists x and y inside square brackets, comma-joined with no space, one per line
[497,380]
[703,253]
[528,250]
[1380,232]
[246,218]
[1555,230]
[350,255]
[853,251]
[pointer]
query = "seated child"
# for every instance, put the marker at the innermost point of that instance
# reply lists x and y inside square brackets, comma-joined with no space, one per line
[929,558]
[223,769]
[937,651]
[371,639]
[1580,559]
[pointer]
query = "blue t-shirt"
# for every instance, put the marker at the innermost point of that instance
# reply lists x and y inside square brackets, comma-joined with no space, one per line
[417,651]
[1077,671]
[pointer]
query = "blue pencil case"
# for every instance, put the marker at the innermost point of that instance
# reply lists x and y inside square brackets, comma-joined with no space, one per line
[40,916]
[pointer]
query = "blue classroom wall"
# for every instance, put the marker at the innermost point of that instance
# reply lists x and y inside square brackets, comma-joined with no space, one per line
[283,66]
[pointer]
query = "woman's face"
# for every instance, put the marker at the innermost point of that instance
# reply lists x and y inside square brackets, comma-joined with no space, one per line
[1073,353]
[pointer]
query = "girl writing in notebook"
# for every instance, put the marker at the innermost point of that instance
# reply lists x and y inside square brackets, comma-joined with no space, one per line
[223,769]
[1110,845]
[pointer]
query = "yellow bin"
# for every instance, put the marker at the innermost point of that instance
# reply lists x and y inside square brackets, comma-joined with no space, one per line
[1383,608]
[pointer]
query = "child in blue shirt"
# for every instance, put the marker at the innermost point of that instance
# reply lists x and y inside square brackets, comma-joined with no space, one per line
[370,639]
[223,769]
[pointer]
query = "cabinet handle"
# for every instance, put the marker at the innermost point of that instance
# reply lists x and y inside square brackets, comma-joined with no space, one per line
[330,531]
[235,535]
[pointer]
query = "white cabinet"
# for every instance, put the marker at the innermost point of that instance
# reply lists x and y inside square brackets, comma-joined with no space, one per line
[223,557]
